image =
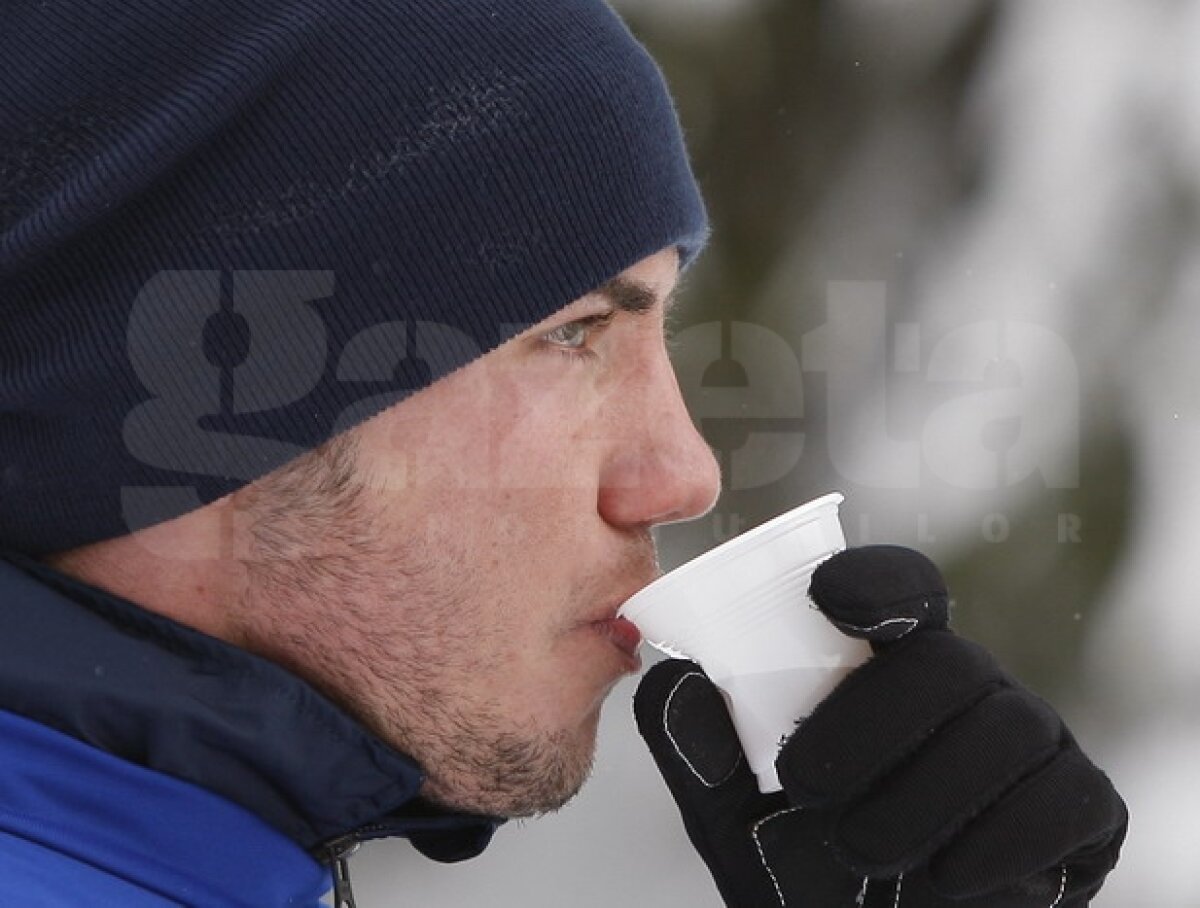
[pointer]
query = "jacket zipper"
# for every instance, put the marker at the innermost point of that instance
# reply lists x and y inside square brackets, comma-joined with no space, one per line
[338,855]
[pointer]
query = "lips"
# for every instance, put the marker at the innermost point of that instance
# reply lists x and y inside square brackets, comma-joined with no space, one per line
[606,620]
[622,633]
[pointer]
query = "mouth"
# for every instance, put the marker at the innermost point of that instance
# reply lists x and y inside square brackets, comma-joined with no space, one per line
[624,636]
[633,573]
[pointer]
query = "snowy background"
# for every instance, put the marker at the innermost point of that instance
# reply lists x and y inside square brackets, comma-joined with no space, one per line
[956,275]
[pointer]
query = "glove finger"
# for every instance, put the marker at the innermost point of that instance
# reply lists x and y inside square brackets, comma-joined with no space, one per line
[683,718]
[881,593]
[1013,840]
[881,713]
[971,763]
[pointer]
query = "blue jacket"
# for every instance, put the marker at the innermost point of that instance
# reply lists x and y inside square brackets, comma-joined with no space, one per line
[143,763]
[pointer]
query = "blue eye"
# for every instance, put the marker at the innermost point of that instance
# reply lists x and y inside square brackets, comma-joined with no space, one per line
[573,335]
[573,338]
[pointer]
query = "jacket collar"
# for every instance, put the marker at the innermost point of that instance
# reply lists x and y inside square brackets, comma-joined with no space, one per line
[78,824]
[167,697]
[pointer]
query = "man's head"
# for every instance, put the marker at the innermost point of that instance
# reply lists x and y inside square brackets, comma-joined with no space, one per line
[229,230]
[268,273]
[449,569]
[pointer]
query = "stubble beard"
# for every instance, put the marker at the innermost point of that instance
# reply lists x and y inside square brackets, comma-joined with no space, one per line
[504,772]
[327,601]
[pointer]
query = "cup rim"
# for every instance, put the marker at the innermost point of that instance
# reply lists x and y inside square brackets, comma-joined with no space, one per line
[732,548]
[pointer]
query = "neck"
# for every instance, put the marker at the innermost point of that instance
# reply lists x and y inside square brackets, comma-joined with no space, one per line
[185,569]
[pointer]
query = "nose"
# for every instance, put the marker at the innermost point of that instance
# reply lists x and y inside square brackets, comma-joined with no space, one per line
[660,469]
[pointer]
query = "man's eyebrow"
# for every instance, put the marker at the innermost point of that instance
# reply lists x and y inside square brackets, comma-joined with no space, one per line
[626,295]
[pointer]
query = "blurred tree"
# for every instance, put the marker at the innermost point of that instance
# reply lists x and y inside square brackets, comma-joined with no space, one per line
[833,141]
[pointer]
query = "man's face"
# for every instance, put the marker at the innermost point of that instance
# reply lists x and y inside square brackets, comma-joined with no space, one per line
[450,570]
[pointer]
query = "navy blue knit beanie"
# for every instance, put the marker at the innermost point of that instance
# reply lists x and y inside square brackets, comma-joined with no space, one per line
[230,229]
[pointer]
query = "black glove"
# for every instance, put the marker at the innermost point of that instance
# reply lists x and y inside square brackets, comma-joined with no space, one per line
[929,778]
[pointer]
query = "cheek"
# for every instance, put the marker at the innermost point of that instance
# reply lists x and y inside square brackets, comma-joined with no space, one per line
[548,441]
[433,456]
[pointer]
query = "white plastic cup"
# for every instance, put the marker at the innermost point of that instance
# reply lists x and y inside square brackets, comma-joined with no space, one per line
[741,610]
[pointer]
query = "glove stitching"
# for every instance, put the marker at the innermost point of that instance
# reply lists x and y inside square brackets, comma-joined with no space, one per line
[762,855]
[1062,887]
[862,893]
[911,622]
[675,744]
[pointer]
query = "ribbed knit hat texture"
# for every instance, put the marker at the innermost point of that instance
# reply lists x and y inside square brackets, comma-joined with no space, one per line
[229,230]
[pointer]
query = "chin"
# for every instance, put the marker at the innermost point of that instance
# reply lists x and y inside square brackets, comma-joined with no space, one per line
[519,777]
[508,802]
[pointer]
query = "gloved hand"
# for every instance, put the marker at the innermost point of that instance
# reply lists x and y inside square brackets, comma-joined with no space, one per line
[929,778]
